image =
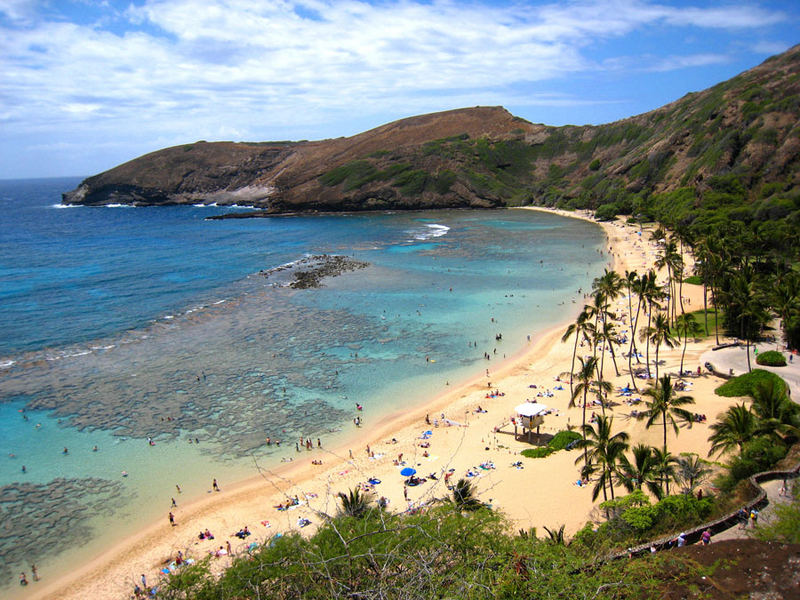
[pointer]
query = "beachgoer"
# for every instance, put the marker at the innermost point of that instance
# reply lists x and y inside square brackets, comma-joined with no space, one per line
[742,517]
[23,580]
[24,470]
[177,487]
[35,572]
[171,519]
[174,503]
[228,546]
[214,485]
[753,517]
[144,581]
[65,451]
[681,539]
[706,537]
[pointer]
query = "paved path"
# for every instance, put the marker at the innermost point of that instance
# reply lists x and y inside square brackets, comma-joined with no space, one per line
[773,494]
[736,358]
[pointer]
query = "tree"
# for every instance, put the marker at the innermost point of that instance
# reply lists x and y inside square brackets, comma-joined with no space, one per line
[355,503]
[585,376]
[582,329]
[746,307]
[665,402]
[688,327]
[659,333]
[786,299]
[642,470]
[775,414]
[650,295]
[737,425]
[464,496]
[665,468]
[604,450]
[690,471]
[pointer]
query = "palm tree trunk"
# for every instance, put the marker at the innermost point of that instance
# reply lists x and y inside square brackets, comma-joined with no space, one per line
[572,366]
[657,347]
[647,345]
[705,306]
[685,342]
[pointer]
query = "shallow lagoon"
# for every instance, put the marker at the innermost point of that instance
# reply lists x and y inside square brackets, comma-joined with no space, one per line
[203,347]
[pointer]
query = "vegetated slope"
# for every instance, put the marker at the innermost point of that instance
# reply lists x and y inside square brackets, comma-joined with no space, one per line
[737,142]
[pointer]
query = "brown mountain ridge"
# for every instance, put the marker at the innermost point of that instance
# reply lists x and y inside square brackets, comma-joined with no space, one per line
[483,157]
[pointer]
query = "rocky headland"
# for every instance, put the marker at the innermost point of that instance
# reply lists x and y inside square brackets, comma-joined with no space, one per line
[485,157]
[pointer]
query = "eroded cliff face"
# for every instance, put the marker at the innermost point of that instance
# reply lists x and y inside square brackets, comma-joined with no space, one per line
[484,157]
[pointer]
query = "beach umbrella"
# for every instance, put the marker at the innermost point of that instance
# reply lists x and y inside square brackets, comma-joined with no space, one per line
[408,472]
[530,409]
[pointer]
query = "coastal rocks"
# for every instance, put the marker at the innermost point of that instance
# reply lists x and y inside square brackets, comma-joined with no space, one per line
[40,520]
[309,272]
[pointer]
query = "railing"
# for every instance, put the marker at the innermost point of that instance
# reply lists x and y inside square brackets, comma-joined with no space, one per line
[723,523]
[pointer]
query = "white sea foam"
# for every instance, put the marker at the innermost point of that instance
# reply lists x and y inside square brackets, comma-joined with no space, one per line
[6,364]
[65,205]
[119,206]
[431,231]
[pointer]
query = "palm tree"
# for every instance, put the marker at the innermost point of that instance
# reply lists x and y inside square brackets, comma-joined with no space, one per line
[747,301]
[775,413]
[607,336]
[659,333]
[556,536]
[671,259]
[582,328]
[786,297]
[641,470]
[585,375]
[665,468]
[651,295]
[604,450]
[464,496]
[691,471]
[688,327]
[355,503]
[737,425]
[666,403]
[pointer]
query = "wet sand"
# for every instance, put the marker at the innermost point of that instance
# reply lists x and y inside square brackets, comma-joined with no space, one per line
[463,440]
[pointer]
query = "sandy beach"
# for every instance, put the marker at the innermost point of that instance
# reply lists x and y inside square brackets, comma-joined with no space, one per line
[461,439]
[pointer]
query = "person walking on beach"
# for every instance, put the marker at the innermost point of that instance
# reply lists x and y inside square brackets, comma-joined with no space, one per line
[35,572]
[171,519]
[214,485]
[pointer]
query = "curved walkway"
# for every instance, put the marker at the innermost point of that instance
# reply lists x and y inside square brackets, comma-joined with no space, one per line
[734,358]
[730,520]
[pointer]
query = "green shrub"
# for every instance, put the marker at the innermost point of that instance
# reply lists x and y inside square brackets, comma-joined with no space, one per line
[562,439]
[771,358]
[537,452]
[595,164]
[694,280]
[743,385]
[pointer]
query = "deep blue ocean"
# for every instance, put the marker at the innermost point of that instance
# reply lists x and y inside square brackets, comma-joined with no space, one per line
[120,324]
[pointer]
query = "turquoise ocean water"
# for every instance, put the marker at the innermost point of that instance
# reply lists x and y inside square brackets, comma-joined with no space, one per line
[119,325]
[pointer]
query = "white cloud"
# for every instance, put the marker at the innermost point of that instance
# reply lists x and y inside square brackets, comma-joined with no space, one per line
[186,69]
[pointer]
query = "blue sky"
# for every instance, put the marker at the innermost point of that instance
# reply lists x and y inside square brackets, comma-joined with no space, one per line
[86,85]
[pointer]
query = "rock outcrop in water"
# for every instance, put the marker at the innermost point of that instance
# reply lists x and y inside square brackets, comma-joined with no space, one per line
[310,271]
[483,157]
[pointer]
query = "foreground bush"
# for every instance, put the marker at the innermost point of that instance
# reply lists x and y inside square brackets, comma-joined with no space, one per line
[440,554]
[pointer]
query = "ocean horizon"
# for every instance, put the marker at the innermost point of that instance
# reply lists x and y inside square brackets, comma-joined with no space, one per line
[154,335]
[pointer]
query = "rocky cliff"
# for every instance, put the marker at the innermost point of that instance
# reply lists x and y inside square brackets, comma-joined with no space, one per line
[746,127]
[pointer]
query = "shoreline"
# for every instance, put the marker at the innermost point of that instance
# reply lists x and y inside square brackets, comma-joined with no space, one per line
[246,502]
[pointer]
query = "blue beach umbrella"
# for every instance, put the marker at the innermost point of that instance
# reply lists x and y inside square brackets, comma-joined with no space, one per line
[408,472]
